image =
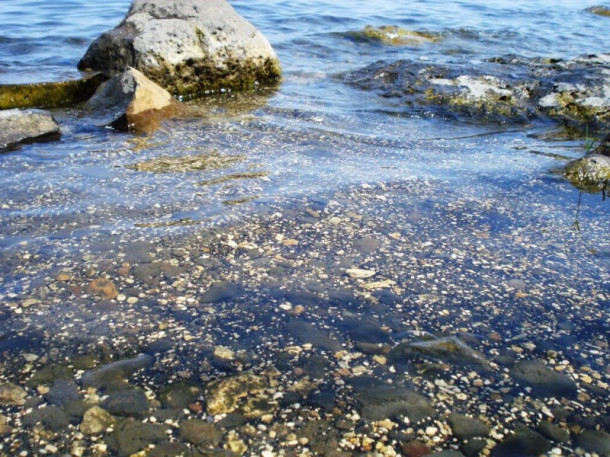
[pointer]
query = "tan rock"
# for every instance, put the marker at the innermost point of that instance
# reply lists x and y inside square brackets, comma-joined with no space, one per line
[103,287]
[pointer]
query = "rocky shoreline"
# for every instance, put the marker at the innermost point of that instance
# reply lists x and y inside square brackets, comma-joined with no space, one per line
[346,324]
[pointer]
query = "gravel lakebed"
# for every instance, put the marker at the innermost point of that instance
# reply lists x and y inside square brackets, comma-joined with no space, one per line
[399,318]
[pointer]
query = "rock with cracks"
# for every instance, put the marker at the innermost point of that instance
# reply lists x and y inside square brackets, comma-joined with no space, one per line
[131,101]
[26,126]
[186,46]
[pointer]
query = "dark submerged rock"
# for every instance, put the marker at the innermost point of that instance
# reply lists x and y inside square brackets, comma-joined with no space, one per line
[186,46]
[594,441]
[26,126]
[523,443]
[114,371]
[466,428]
[542,379]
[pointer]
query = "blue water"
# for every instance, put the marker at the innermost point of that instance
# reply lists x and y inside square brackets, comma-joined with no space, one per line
[313,134]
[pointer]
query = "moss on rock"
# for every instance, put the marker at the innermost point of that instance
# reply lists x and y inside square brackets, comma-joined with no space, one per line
[49,94]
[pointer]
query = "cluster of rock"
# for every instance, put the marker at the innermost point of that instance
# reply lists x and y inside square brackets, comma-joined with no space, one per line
[162,48]
[575,93]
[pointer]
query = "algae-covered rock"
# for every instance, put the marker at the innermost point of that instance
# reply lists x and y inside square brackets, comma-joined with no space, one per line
[244,393]
[590,173]
[131,101]
[95,421]
[599,10]
[26,126]
[499,90]
[394,36]
[49,94]
[186,46]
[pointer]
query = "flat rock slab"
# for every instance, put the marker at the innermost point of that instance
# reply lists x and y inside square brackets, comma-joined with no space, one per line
[26,126]
[186,46]
[114,371]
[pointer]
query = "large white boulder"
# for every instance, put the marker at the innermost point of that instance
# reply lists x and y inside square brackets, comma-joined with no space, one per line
[189,47]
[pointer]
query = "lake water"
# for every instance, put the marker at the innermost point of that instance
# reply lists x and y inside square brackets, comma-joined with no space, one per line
[315,144]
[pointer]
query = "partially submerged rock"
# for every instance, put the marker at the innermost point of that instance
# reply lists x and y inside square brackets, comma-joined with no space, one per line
[49,94]
[131,101]
[26,126]
[394,36]
[186,46]
[599,10]
[590,173]
[504,90]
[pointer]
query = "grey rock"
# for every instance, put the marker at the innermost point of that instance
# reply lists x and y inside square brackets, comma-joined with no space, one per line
[118,370]
[361,331]
[12,394]
[466,428]
[131,402]
[449,349]
[180,395]
[26,126]
[523,443]
[221,291]
[553,432]
[307,333]
[594,441]
[383,401]
[62,392]
[186,46]
[201,433]
[52,418]
[133,436]
[542,379]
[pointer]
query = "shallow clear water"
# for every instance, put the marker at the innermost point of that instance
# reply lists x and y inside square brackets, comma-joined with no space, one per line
[472,224]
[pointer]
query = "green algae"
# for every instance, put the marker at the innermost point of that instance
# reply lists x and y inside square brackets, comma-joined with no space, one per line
[61,94]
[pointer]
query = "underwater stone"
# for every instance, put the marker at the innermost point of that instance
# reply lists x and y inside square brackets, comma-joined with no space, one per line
[186,46]
[95,421]
[114,371]
[26,126]
[242,393]
[12,394]
[542,379]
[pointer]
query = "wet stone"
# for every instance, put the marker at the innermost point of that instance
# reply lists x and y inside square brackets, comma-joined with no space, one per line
[12,394]
[594,441]
[449,349]
[118,370]
[104,288]
[524,442]
[473,447]
[132,402]
[221,291]
[179,396]
[367,245]
[95,421]
[553,432]
[361,331]
[51,417]
[133,436]
[62,392]
[168,450]
[200,432]
[415,449]
[447,453]
[542,379]
[242,393]
[465,428]
[307,333]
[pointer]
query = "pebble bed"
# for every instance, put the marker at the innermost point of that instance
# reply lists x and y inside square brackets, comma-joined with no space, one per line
[398,318]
